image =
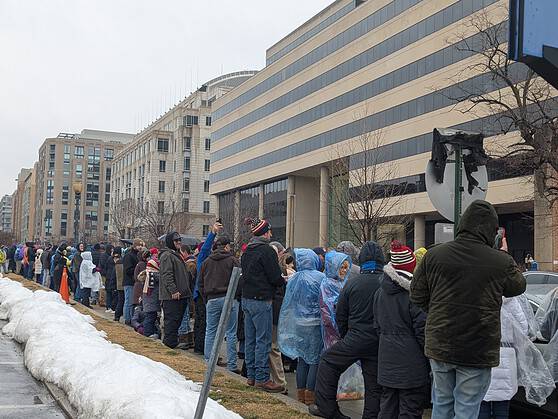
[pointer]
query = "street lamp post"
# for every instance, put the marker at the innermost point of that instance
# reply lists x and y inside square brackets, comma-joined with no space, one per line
[77,187]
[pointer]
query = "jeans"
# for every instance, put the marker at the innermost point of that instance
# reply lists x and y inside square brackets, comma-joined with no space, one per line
[258,317]
[77,292]
[184,328]
[458,391]
[149,323]
[46,278]
[496,410]
[306,375]
[85,294]
[128,290]
[213,311]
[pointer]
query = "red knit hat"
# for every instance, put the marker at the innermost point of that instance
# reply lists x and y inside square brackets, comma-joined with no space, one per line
[258,227]
[402,257]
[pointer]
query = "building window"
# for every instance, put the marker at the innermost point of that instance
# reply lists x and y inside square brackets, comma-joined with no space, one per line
[186,164]
[91,219]
[109,154]
[206,185]
[162,166]
[48,222]
[208,144]
[65,192]
[185,204]
[63,223]
[160,207]
[191,120]
[161,186]
[108,173]
[206,165]
[206,207]
[187,143]
[208,121]
[67,149]
[205,230]
[79,170]
[50,192]
[162,145]
[92,194]
[66,171]
[79,152]
[186,184]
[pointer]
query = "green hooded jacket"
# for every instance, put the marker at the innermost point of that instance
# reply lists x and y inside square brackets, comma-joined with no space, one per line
[460,285]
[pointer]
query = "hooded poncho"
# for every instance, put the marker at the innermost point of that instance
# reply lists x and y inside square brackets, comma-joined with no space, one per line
[87,278]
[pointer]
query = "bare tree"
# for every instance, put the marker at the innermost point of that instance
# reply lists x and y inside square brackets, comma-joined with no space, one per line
[6,238]
[516,97]
[366,198]
[121,216]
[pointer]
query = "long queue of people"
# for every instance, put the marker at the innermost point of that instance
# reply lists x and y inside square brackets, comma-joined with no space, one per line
[400,330]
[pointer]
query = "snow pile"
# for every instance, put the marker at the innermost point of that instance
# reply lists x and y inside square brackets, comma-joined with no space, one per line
[101,379]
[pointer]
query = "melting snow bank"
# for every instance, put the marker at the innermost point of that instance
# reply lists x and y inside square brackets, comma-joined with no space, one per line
[101,379]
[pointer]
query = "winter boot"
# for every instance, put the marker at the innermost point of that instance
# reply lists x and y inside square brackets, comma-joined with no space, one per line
[309,398]
[300,393]
[270,387]
[190,340]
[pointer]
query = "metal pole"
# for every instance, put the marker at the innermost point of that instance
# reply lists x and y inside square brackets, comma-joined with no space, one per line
[457,200]
[223,322]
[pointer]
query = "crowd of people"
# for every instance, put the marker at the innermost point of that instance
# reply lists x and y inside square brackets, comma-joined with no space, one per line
[400,329]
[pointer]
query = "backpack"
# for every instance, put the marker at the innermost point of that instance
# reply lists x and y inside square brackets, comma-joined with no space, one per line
[19,253]
[2,257]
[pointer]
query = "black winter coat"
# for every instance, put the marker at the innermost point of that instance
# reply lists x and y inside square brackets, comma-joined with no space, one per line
[355,307]
[45,259]
[173,275]
[109,271]
[460,285]
[261,274]
[130,261]
[400,327]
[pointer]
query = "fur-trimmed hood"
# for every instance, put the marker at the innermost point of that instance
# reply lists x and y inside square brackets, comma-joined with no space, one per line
[400,278]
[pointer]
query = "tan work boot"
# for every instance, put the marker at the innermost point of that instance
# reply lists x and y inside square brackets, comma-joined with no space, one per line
[309,397]
[300,395]
[270,387]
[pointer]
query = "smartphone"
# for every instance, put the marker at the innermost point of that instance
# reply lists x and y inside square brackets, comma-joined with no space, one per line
[502,232]
[499,239]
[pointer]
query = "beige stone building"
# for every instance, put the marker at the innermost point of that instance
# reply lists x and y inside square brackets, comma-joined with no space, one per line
[6,213]
[19,220]
[383,70]
[74,172]
[161,179]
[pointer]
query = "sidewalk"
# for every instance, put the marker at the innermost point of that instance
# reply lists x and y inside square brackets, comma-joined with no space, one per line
[21,396]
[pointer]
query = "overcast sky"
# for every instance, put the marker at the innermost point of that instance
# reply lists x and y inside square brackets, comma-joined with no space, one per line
[115,64]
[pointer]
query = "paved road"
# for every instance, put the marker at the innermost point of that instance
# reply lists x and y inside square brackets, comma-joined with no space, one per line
[21,396]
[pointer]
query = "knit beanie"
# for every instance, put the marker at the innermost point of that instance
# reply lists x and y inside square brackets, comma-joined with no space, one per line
[402,257]
[258,227]
[152,263]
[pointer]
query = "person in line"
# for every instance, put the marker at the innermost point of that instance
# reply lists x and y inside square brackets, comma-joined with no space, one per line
[45,263]
[321,252]
[59,263]
[403,370]
[144,256]
[74,269]
[129,263]
[38,266]
[150,298]
[215,276]
[119,279]
[185,335]
[503,378]
[337,268]
[174,290]
[353,252]
[261,276]
[3,260]
[18,256]
[11,258]
[460,285]
[299,328]
[359,341]
[89,278]
[109,280]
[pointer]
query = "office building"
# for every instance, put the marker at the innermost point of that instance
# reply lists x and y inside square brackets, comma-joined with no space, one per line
[384,69]
[6,214]
[74,173]
[161,179]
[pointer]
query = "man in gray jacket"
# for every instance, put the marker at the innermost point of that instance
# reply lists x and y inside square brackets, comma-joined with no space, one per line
[174,289]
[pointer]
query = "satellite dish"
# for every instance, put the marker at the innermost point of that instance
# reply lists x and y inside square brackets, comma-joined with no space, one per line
[442,195]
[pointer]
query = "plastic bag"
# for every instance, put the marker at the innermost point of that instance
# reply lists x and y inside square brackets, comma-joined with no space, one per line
[532,371]
[299,329]
[533,326]
[547,315]
[551,357]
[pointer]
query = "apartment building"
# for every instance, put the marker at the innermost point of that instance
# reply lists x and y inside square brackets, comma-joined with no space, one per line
[73,188]
[18,218]
[6,214]
[383,69]
[161,179]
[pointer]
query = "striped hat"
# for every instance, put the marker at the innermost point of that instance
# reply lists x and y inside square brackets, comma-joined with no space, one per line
[259,227]
[402,257]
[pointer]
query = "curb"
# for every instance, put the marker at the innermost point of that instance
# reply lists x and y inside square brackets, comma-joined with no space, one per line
[62,399]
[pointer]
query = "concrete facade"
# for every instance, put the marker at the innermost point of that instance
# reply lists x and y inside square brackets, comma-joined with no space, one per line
[162,176]
[378,69]
[6,214]
[17,205]
[69,163]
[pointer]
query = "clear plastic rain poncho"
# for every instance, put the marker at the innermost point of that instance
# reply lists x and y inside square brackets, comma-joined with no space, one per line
[299,332]
[532,371]
[351,382]
[547,315]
